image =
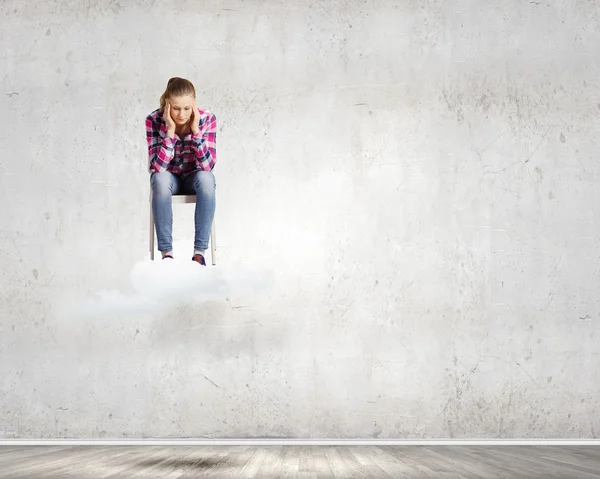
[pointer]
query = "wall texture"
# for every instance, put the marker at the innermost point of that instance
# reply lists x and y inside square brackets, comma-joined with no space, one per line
[420,178]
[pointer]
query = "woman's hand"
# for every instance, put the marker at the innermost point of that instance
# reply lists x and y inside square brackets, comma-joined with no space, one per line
[168,119]
[195,120]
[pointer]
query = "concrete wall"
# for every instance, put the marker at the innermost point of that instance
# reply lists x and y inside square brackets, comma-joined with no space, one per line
[420,180]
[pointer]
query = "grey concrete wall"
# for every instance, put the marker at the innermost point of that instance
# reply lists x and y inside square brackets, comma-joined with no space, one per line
[420,180]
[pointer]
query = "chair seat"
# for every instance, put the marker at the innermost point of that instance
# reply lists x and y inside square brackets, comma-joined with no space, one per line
[183,198]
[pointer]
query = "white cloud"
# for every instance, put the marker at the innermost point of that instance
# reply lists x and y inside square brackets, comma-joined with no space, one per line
[157,286]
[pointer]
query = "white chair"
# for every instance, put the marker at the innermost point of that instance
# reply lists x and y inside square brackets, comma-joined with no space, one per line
[183,199]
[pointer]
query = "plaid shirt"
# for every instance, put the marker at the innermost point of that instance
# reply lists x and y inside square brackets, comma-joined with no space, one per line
[181,155]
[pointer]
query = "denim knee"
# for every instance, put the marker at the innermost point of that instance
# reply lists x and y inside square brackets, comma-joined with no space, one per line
[204,182]
[162,183]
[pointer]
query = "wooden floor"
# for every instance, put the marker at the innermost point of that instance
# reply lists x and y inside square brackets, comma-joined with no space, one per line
[440,462]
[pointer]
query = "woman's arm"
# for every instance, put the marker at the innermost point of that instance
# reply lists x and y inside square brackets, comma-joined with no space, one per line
[160,150]
[204,144]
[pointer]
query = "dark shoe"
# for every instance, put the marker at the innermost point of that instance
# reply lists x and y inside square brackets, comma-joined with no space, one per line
[199,259]
[167,256]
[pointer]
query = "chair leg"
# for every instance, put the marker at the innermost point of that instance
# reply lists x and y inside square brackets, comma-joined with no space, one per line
[213,243]
[151,231]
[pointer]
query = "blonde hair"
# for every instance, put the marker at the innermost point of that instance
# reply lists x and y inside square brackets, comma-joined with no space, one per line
[177,87]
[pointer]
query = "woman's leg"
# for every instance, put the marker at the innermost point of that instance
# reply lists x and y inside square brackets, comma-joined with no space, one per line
[164,185]
[202,183]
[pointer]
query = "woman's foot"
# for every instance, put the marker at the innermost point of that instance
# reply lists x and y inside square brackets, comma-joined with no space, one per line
[167,254]
[199,259]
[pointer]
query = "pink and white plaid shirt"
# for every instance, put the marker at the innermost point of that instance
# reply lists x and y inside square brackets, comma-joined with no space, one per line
[181,155]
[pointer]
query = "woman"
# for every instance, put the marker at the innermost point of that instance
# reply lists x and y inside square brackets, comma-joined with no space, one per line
[182,150]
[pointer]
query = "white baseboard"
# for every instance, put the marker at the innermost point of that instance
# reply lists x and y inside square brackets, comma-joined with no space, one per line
[300,442]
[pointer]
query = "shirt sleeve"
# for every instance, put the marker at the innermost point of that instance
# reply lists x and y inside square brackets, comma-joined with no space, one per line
[160,150]
[204,145]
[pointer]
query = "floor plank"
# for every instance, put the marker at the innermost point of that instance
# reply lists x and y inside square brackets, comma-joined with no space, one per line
[306,462]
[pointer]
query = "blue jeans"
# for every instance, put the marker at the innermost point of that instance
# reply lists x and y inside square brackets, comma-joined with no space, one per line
[166,184]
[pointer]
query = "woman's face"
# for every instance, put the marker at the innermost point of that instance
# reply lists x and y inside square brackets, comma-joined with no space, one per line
[181,108]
